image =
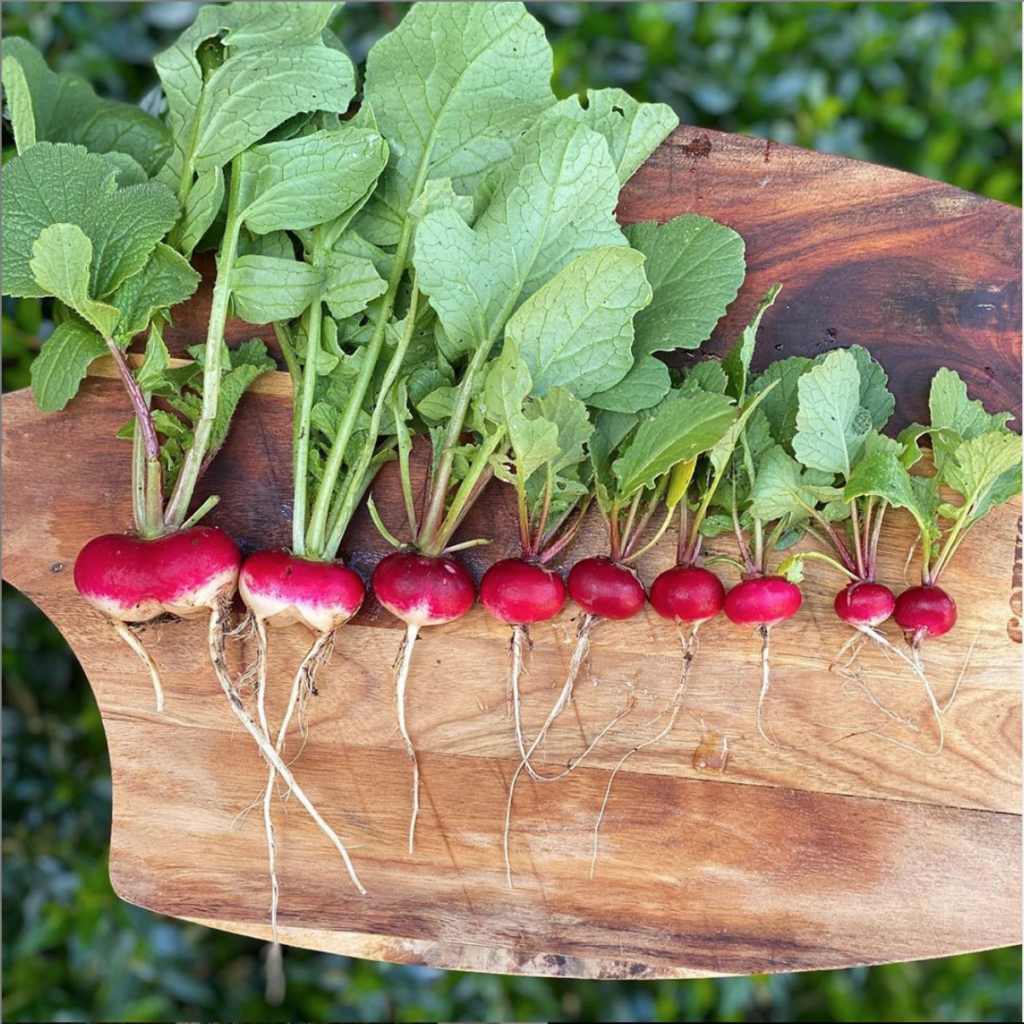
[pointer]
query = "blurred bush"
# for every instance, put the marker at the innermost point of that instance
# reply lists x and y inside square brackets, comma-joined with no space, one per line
[933,88]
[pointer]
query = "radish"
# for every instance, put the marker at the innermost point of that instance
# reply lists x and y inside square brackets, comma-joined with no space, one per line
[687,594]
[518,592]
[975,456]
[606,589]
[121,287]
[133,580]
[713,411]
[925,611]
[865,604]
[762,601]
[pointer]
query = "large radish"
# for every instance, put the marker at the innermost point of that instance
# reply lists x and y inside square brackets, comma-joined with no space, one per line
[133,580]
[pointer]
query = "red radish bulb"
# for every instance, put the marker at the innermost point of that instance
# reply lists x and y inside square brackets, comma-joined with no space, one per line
[422,591]
[134,580]
[520,593]
[606,589]
[282,589]
[763,601]
[925,611]
[865,604]
[687,593]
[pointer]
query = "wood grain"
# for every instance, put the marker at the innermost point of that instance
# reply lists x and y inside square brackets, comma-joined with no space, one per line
[826,854]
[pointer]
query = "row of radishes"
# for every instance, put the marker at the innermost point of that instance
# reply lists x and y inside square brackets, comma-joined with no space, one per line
[446,263]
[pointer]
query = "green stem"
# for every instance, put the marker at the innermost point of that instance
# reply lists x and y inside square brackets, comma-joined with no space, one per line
[953,541]
[315,540]
[177,508]
[344,509]
[313,318]
[669,513]
[626,538]
[869,509]
[439,488]
[858,549]
[379,523]
[876,534]
[207,506]
[542,522]
[138,479]
[759,545]
[773,538]
[524,518]
[469,488]
[404,451]
[148,494]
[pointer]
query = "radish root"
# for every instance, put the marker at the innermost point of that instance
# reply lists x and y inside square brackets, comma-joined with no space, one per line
[913,661]
[303,686]
[401,678]
[218,618]
[570,767]
[689,644]
[520,635]
[764,632]
[579,656]
[268,794]
[125,632]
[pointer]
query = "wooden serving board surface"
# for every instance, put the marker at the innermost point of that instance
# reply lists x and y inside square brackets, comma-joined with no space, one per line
[719,854]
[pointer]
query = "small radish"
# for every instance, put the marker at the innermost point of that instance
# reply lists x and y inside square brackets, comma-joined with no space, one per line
[606,589]
[762,602]
[421,590]
[653,467]
[687,594]
[974,456]
[516,591]
[925,611]
[865,604]
[280,590]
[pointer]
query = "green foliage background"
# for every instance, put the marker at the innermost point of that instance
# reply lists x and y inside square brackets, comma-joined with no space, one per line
[933,88]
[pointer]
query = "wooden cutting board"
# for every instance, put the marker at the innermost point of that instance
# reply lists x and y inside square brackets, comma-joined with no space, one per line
[719,854]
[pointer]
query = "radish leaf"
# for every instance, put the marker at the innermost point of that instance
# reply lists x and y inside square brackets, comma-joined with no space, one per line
[695,267]
[831,423]
[63,362]
[453,87]
[50,107]
[60,264]
[309,180]
[60,184]
[682,428]
[632,130]
[576,331]
[643,387]
[785,488]
[166,280]
[555,201]
[265,289]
